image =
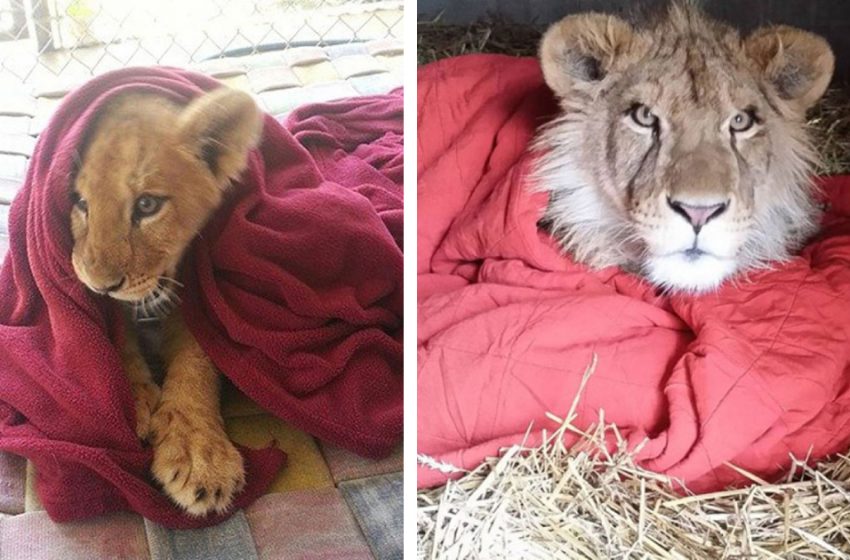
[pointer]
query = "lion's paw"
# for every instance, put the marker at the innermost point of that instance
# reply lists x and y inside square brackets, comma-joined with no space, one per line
[197,465]
[146,396]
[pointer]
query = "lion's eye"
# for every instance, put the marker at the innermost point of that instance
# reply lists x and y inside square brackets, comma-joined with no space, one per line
[79,202]
[147,205]
[643,116]
[742,121]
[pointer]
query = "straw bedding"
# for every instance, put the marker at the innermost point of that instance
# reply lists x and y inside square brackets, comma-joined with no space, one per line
[587,502]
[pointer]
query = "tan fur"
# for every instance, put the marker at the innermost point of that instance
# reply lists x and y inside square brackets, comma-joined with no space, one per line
[617,188]
[144,145]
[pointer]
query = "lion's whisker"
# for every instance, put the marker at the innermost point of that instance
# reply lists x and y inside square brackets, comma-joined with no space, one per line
[171,280]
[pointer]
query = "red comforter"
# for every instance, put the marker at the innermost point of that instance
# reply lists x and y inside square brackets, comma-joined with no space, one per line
[294,291]
[507,325]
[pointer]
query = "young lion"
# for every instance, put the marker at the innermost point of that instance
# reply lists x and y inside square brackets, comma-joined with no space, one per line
[151,175]
[681,152]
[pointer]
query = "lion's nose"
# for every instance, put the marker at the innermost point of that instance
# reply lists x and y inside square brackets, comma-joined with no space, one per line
[110,288]
[697,215]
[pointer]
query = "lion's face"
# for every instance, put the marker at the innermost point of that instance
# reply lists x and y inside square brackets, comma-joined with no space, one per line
[680,152]
[151,175]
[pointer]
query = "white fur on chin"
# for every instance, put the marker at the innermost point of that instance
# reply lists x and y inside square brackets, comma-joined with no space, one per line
[681,273]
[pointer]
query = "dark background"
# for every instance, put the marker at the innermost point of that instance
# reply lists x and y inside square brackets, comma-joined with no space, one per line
[831,19]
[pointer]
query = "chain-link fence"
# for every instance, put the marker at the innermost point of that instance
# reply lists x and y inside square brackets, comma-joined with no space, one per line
[43,42]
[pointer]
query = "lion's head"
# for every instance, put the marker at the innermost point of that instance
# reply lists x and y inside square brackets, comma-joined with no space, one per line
[151,175]
[681,151]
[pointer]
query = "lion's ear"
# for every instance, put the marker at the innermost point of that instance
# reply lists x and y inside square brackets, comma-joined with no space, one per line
[797,63]
[221,128]
[581,49]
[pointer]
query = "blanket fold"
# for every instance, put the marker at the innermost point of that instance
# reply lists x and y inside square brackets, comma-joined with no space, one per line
[294,290]
[507,324]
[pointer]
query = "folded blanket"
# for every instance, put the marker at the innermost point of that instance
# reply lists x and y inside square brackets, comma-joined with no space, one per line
[507,324]
[294,290]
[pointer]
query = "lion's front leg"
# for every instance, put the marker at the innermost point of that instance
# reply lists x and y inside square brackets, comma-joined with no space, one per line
[197,465]
[146,393]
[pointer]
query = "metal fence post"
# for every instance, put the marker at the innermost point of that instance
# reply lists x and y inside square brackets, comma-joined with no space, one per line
[39,24]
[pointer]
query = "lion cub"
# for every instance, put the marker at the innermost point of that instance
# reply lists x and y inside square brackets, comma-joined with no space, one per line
[152,174]
[681,152]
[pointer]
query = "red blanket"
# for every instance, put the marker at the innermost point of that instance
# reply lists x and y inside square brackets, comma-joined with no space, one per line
[294,290]
[507,325]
